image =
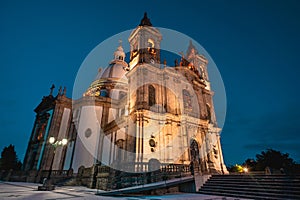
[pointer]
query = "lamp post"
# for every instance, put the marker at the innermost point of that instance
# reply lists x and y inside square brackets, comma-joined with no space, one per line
[54,143]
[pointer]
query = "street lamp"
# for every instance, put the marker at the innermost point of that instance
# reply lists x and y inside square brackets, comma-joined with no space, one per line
[51,140]
[55,143]
[58,142]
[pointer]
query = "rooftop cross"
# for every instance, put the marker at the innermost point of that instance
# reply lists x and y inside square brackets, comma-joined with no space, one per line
[51,89]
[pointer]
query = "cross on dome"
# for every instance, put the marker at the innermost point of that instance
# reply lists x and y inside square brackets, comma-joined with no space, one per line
[119,53]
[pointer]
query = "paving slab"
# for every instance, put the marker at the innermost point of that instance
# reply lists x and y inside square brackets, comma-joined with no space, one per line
[28,191]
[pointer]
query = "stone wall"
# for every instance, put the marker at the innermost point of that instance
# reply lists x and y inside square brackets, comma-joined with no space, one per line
[103,176]
[85,176]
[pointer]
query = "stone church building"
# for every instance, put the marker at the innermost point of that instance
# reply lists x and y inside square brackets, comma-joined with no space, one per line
[134,117]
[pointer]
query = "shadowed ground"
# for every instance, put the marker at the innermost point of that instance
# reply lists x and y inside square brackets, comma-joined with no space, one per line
[20,190]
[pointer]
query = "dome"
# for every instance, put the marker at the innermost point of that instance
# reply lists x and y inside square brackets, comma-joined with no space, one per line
[114,70]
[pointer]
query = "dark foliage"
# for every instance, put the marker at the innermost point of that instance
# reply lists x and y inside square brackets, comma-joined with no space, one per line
[272,159]
[9,159]
[251,164]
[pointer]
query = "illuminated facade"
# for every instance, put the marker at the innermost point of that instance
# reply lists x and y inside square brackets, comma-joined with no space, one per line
[133,113]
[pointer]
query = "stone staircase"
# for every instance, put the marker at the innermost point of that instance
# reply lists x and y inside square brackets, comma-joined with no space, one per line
[253,186]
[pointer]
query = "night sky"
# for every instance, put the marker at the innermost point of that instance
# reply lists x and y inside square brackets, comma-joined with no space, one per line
[255,45]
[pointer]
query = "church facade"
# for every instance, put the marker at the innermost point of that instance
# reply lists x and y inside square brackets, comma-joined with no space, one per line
[133,114]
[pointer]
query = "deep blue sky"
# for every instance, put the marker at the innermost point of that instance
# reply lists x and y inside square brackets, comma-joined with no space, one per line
[255,45]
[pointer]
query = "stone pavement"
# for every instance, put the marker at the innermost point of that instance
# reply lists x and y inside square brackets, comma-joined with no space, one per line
[28,191]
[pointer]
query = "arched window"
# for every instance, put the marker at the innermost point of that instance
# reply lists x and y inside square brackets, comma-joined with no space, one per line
[151,46]
[187,101]
[151,95]
[41,131]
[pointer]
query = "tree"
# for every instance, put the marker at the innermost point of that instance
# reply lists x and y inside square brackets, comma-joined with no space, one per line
[274,159]
[271,158]
[9,159]
[250,164]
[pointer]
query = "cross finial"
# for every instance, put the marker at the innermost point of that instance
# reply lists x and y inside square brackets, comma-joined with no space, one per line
[120,42]
[51,89]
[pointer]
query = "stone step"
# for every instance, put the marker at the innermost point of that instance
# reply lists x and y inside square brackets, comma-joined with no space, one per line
[255,189]
[258,177]
[254,185]
[279,183]
[258,180]
[253,196]
[281,177]
[248,194]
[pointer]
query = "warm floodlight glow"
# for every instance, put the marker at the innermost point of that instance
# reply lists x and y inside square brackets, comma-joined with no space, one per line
[51,140]
[245,169]
[64,141]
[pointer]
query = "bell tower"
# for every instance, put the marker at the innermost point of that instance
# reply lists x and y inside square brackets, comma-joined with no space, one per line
[144,44]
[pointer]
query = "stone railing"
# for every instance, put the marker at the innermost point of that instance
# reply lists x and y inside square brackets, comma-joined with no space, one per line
[108,178]
[103,177]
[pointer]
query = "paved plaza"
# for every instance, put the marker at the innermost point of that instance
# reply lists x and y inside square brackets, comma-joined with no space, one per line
[20,190]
